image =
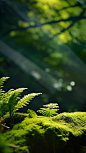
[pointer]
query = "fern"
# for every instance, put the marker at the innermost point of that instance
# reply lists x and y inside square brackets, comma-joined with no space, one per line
[10,101]
[2,80]
[25,100]
[3,97]
[50,110]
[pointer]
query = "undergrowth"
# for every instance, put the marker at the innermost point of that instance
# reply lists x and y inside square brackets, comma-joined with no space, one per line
[11,102]
[51,133]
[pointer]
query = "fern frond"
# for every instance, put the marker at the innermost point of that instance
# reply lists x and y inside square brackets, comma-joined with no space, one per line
[50,110]
[25,100]
[51,105]
[12,97]
[2,80]
[9,100]
[3,97]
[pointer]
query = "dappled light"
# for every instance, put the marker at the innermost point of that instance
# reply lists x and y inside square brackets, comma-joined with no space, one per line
[43,50]
[72,83]
[42,46]
[69,88]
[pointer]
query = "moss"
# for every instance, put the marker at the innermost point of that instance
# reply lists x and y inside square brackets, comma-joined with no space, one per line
[75,121]
[31,113]
[17,118]
[62,133]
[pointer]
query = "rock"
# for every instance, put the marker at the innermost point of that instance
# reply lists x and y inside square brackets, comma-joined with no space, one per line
[64,133]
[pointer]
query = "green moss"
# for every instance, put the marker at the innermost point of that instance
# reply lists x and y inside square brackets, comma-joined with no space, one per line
[31,113]
[50,134]
[17,118]
[75,121]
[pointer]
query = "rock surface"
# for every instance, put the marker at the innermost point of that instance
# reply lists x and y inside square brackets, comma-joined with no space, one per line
[64,133]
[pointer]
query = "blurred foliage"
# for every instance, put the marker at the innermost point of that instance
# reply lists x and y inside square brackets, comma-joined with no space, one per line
[46,40]
[3,145]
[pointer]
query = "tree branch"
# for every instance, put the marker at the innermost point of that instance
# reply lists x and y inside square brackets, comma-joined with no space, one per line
[25,18]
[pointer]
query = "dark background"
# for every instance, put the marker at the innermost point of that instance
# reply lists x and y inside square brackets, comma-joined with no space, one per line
[43,48]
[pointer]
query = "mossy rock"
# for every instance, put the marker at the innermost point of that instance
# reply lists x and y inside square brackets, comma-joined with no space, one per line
[64,133]
[31,113]
[17,118]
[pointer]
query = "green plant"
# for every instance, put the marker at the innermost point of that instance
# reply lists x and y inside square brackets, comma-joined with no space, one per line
[50,110]
[63,133]
[11,102]
[17,117]
[3,145]
[31,113]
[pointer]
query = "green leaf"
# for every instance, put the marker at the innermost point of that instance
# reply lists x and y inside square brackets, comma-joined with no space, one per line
[2,80]
[10,101]
[12,98]
[51,109]
[25,100]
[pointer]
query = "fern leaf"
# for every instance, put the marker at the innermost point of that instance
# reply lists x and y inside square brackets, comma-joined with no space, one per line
[2,80]
[49,110]
[9,100]
[25,100]
[3,97]
[12,97]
